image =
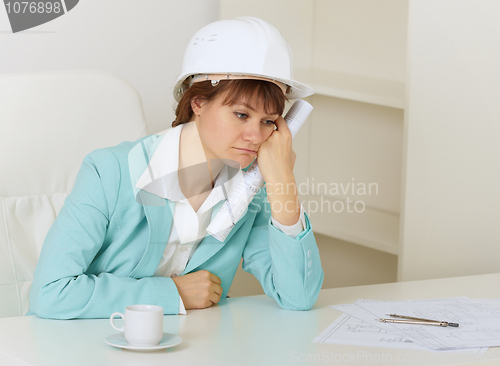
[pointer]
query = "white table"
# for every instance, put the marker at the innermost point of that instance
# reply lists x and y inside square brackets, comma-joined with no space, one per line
[240,331]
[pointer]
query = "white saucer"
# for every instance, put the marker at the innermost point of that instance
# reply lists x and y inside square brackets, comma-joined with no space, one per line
[168,340]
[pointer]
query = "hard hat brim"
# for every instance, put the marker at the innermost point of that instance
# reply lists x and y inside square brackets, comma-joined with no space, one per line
[297,89]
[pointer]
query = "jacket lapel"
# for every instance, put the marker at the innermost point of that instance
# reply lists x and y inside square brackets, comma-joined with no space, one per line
[156,209]
[210,246]
[159,218]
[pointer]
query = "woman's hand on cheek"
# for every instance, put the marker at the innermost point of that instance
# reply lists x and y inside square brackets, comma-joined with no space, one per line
[275,156]
[276,160]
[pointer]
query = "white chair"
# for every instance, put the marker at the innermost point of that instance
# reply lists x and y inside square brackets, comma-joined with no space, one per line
[48,123]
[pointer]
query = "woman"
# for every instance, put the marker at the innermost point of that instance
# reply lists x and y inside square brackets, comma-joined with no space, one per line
[134,228]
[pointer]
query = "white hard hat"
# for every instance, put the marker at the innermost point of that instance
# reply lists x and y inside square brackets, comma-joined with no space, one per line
[242,47]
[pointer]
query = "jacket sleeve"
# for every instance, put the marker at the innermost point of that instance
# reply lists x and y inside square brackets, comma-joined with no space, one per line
[63,286]
[288,269]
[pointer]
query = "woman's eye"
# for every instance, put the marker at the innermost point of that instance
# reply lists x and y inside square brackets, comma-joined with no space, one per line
[241,115]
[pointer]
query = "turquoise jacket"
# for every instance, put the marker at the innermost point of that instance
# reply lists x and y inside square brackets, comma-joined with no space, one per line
[102,250]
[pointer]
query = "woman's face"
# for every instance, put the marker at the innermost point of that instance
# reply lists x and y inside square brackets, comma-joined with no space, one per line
[233,132]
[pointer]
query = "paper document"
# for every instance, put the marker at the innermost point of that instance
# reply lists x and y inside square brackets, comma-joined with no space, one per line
[349,329]
[479,321]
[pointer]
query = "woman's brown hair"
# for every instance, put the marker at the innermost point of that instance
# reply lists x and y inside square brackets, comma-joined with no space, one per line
[270,93]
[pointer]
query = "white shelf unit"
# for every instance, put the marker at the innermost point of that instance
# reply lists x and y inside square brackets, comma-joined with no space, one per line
[372,228]
[346,148]
[359,88]
[353,53]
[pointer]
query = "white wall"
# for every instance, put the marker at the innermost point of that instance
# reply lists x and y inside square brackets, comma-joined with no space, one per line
[141,41]
[361,37]
[293,18]
[451,199]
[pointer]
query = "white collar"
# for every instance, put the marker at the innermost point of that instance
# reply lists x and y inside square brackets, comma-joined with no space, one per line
[160,177]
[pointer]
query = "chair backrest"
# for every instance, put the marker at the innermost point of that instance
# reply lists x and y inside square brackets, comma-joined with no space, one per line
[48,123]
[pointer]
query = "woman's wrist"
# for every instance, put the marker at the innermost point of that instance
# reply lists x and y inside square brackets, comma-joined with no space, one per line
[284,201]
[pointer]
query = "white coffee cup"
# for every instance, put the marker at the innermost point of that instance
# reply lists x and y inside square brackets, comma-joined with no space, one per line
[143,324]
